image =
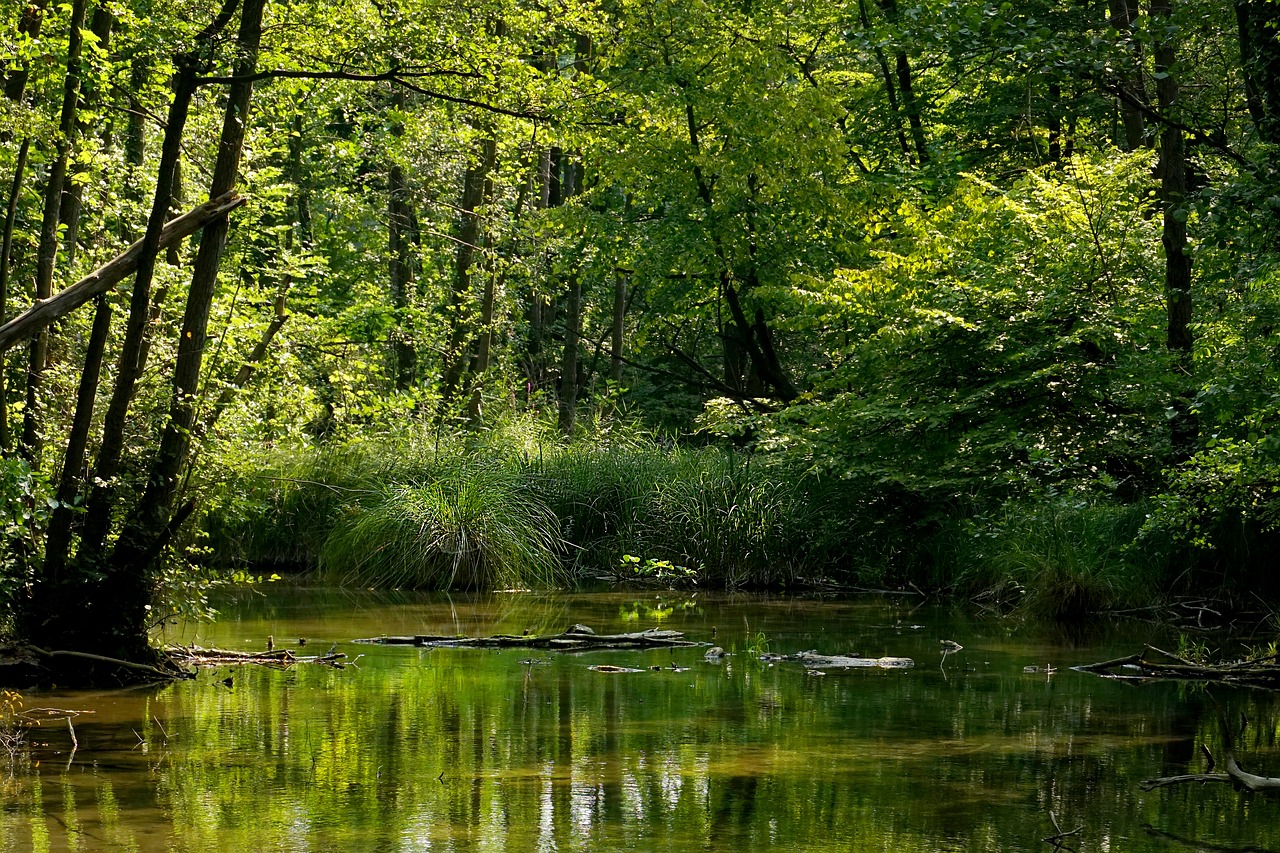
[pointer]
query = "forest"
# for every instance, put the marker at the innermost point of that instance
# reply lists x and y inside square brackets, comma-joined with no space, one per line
[949,295]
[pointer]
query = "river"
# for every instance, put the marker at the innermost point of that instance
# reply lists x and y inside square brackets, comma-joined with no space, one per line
[467,750]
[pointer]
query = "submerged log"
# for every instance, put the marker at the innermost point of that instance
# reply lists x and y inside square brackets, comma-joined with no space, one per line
[1261,671]
[576,639]
[840,663]
[1235,775]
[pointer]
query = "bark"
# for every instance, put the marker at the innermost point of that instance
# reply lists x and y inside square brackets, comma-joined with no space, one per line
[568,396]
[173,251]
[758,342]
[58,538]
[906,85]
[38,317]
[135,135]
[102,498]
[890,90]
[136,548]
[577,638]
[47,253]
[475,187]
[618,329]
[400,271]
[1123,15]
[1054,123]
[484,343]
[15,84]
[1173,195]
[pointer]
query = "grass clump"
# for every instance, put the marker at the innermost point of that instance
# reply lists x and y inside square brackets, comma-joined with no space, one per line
[468,529]
[740,525]
[1068,560]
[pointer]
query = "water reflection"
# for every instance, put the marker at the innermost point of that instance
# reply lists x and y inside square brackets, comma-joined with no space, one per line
[474,750]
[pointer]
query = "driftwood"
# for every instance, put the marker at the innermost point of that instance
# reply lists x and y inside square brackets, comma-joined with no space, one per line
[1234,775]
[197,656]
[839,663]
[575,639]
[1261,671]
[47,311]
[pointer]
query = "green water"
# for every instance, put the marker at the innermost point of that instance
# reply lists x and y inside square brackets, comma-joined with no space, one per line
[462,750]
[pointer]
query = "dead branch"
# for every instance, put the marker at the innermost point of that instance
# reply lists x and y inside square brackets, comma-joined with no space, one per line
[578,638]
[1235,775]
[43,313]
[281,658]
[1261,671]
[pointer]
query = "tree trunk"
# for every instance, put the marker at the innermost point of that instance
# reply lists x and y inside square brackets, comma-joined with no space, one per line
[1259,25]
[1054,122]
[618,329]
[6,251]
[27,324]
[906,85]
[568,397]
[1173,196]
[400,270]
[47,254]
[1124,13]
[58,539]
[130,568]
[890,90]
[475,187]
[102,498]
[15,83]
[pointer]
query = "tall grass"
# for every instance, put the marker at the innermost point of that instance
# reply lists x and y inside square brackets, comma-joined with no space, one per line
[477,527]
[1061,560]
[501,509]
[518,507]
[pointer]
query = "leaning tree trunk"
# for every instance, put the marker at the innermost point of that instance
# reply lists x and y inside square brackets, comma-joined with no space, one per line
[47,253]
[1173,196]
[148,528]
[110,620]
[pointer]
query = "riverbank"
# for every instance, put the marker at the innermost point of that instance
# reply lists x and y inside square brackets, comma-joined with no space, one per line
[511,509]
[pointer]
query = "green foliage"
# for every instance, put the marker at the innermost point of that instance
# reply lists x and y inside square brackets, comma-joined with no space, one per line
[26,502]
[633,569]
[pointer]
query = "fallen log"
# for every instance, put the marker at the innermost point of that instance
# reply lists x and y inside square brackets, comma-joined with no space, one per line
[839,663]
[1261,671]
[30,322]
[198,656]
[575,639]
